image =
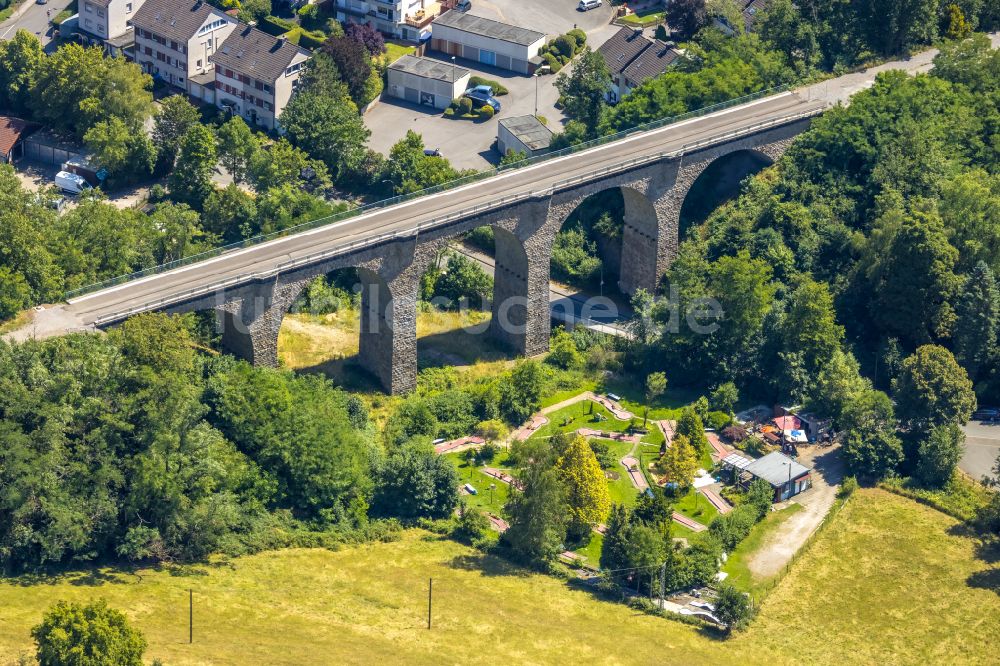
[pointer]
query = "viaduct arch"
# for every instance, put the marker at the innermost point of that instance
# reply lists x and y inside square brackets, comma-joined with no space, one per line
[653,191]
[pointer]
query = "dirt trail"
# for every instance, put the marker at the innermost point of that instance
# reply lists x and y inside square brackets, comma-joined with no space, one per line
[778,549]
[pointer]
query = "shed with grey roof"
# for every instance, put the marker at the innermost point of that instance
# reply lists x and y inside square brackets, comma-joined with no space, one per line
[487,42]
[426,81]
[786,476]
[523,134]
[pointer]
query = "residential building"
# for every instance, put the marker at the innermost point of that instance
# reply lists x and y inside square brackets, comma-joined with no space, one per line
[523,134]
[255,74]
[176,39]
[426,81]
[409,20]
[12,131]
[785,476]
[750,11]
[106,22]
[633,59]
[487,42]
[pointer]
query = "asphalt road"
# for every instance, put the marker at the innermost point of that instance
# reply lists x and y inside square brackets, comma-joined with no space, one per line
[34,18]
[156,290]
[982,446]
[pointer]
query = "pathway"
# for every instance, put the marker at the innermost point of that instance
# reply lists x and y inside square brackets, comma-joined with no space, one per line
[689,523]
[498,523]
[717,500]
[779,547]
[459,444]
[530,428]
[719,449]
[631,465]
[668,427]
[503,476]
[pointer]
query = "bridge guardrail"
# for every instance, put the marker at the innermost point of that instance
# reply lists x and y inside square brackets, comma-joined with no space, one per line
[436,223]
[384,203]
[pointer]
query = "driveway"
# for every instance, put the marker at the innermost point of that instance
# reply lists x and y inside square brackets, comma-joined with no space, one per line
[778,549]
[554,17]
[982,446]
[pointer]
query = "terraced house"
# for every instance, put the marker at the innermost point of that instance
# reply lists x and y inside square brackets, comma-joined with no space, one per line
[176,39]
[106,23]
[255,74]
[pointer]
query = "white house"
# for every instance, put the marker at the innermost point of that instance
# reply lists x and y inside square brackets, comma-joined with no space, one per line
[633,59]
[106,22]
[488,42]
[426,81]
[176,39]
[256,73]
[403,19]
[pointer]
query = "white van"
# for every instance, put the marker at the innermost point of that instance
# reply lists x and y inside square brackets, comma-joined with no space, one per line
[71,183]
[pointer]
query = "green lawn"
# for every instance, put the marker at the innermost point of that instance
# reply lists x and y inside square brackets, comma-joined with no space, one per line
[644,19]
[890,581]
[694,505]
[394,52]
[736,564]
[481,482]
[592,551]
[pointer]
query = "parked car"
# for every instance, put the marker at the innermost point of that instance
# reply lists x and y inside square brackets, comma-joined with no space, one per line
[432,152]
[987,414]
[484,89]
[71,182]
[481,98]
[587,5]
[463,5]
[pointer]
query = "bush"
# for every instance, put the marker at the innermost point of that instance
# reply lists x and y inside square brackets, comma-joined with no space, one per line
[449,112]
[92,634]
[733,607]
[273,25]
[579,35]
[552,62]
[498,88]
[465,104]
[486,112]
[311,40]
[848,487]
[471,527]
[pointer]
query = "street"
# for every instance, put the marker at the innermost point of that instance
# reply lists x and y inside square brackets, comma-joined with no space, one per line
[34,18]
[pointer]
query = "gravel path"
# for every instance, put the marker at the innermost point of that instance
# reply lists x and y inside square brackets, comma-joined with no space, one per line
[779,547]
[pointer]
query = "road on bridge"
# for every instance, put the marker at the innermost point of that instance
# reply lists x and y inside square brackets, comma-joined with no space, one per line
[81,313]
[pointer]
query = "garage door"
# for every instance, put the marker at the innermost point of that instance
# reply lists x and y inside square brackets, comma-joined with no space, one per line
[412,95]
[520,66]
[503,61]
[470,52]
[488,57]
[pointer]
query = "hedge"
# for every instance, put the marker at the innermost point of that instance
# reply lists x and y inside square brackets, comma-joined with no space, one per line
[498,88]
[273,25]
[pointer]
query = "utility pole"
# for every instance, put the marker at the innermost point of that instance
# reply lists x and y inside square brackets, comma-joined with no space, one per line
[663,583]
[430,593]
[190,615]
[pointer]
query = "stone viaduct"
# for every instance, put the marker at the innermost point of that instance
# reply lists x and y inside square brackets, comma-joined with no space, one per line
[653,192]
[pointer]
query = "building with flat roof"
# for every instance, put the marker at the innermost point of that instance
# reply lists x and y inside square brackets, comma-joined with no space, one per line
[523,134]
[426,81]
[487,42]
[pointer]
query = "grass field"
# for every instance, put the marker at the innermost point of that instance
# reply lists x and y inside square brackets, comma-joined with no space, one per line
[481,482]
[888,580]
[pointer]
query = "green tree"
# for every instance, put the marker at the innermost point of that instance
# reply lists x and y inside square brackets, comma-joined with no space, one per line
[582,91]
[464,279]
[180,232]
[585,485]
[192,184]
[229,213]
[938,454]
[280,165]
[958,27]
[871,446]
[810,326]
[691,426]
[352,61]
[73,634]
[686,16]
[326,124]
[411,171]
[20,61]
[977,325]
[838,382]
[656,384]
[562,350]
[237,147]
[175,117]
[254,10]
[724,397]
[414,484]
[537,514]
[614,548]
[733,607]
[126,154]
[680,462]
[933,389]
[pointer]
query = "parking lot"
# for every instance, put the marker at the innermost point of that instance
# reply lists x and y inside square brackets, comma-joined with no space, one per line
[982,446]
[469,144]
